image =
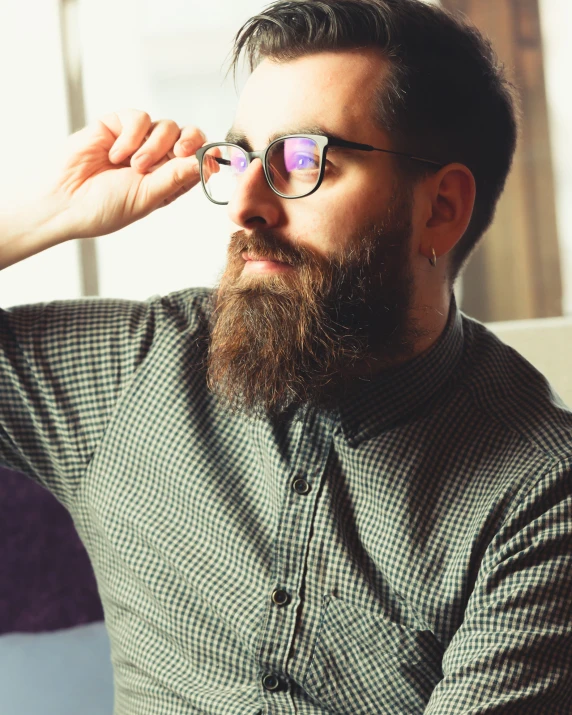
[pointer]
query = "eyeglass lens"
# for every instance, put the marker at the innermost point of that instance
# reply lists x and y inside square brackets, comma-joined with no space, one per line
[293,166]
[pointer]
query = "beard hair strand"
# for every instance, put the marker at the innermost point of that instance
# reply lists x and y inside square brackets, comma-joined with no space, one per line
[281,340]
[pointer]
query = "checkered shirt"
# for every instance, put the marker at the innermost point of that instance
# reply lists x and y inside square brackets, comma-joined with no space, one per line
[407,552]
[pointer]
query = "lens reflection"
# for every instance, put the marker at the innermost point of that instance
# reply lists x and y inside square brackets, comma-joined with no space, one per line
[294,165]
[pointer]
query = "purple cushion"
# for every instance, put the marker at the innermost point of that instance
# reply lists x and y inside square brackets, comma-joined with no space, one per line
[46,579]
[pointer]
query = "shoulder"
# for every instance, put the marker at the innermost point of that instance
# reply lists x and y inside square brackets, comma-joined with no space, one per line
[510,392]
[90,326]
[187,298]
[189,309]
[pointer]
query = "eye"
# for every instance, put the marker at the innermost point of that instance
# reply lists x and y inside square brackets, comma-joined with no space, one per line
[302,162]
[297,154]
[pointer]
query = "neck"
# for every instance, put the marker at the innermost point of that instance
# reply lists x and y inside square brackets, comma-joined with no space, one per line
[427,321]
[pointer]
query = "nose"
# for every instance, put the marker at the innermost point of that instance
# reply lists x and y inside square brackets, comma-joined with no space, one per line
[253,200]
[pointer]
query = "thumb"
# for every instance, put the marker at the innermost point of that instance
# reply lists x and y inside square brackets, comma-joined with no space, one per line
[168,180]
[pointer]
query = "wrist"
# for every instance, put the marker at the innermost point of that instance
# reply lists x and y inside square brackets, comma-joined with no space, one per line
[51,219]
[32,227]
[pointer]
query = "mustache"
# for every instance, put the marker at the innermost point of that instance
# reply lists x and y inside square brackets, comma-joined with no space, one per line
[270,245]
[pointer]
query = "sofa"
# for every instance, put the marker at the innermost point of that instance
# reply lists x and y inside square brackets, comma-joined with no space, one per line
[54,648]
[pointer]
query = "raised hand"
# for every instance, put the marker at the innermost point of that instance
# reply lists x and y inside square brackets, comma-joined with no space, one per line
[121,168]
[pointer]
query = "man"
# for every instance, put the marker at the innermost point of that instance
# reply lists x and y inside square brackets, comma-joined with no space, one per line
[321,487]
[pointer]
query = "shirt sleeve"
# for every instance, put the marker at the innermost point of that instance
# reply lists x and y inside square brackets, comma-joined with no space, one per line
[63,366]
[513,652]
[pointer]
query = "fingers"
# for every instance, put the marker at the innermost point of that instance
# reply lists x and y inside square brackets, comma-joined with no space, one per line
[173,176]
[130,127]
[165,141]
[144,144]
[210,164]
[171,180]
[157,144]
[161,150]
[191,139]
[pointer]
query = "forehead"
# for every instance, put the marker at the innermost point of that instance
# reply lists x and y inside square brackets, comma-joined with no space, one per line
[333,90]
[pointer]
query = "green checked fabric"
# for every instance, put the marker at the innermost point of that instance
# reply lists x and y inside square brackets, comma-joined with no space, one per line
[409,552]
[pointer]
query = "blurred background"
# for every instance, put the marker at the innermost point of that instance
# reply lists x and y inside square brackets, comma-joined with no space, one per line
[67,62]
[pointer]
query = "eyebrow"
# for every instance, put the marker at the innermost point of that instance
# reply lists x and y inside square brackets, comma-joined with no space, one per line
[236,136]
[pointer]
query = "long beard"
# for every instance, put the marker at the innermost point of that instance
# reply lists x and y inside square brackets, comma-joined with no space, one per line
[297,337]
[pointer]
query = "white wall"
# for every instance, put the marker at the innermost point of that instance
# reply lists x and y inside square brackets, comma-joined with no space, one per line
[166,58]
[33,124]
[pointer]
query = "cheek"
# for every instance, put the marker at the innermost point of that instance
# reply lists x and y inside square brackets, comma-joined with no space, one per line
[322,228]
[329,219]
[349,216]
[359,199]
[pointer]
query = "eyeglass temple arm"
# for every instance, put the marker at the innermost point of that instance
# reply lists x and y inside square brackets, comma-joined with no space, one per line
[354,145]
[368,147]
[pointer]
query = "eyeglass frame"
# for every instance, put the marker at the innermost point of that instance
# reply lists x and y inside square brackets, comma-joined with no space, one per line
[323,142]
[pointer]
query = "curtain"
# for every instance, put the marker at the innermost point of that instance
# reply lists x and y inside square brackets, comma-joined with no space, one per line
[515,272]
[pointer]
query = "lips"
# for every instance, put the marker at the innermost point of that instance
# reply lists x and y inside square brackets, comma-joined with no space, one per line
[255,264]
[253,257]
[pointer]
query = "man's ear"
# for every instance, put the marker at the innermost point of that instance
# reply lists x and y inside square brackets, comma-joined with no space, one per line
[449,196]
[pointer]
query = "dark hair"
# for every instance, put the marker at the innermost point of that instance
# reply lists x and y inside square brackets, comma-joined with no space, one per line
[446,97]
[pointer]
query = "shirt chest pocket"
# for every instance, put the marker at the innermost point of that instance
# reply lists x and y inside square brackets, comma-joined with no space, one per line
[365,663]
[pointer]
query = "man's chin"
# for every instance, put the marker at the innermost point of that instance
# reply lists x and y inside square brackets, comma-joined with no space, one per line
[263,282]
[268,348]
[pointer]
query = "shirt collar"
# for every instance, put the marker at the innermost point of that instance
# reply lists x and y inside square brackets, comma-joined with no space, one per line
[405,390]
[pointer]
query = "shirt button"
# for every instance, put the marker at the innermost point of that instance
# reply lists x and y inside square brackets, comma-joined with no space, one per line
[280,597]
[301,486]
[271,682]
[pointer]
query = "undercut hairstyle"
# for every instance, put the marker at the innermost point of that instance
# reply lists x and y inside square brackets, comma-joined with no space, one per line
[446,96]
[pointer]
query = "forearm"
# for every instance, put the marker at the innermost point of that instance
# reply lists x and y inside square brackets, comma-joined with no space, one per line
[31,228]
[94,196]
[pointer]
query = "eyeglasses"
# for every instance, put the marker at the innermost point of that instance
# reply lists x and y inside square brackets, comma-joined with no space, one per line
[294,165]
